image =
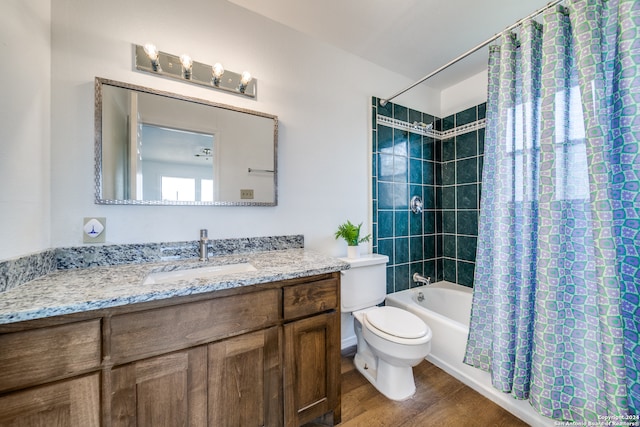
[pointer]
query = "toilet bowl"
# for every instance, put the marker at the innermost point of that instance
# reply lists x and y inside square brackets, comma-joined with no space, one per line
[390,341]
[386,354]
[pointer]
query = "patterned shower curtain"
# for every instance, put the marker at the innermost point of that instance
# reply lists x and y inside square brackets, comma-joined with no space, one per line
[556,317]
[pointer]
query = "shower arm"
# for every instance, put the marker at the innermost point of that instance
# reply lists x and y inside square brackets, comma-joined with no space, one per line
[384,101]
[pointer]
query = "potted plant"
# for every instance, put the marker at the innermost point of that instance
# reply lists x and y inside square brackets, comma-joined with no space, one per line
[351,234]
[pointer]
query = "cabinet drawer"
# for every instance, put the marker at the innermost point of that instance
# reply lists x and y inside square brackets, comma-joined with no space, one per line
[309,298]
[148,333]
[48,354]
[73,402]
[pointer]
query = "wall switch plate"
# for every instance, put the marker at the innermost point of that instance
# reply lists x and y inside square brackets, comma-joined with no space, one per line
[246,194]
[94,230]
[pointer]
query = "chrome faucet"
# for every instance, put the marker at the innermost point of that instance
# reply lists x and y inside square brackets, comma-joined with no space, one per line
[204,250]
[418,278]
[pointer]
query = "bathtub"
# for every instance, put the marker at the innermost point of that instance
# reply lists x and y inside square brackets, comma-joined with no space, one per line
[446,308]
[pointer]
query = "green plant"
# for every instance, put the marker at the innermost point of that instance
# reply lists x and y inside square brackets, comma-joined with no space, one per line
[351,234]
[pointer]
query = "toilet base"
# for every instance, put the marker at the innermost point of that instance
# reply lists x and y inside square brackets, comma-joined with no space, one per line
[395,382]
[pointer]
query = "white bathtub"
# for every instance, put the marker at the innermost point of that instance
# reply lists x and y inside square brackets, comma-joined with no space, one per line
[446,309]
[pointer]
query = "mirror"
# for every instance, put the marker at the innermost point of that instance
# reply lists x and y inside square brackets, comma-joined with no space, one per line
[159,148]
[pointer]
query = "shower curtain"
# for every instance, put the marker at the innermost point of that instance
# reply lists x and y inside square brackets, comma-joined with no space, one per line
[555,315]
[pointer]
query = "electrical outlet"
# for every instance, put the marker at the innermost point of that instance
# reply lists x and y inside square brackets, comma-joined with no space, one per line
[246,194]
[94,230]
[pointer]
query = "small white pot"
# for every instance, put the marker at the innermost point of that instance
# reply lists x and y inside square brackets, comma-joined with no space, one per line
[353,251]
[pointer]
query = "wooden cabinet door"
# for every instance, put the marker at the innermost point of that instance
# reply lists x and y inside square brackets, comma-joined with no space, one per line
[163,391]
[245,380]
[312,368]
[73,402]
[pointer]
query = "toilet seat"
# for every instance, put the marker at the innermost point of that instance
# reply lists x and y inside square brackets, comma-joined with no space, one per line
[397,322]
[397,325]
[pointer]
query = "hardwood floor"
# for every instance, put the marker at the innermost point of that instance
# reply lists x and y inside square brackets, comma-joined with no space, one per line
[440,400]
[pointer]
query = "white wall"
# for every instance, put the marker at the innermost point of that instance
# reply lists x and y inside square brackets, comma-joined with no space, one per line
[321,95]
[466,94]
[25,112]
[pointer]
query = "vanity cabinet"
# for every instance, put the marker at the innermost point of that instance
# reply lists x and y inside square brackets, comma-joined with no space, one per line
[167,390]
[73,402]
[312,352]
[233,382]
[196,363]
[68,354]
[245,380]
[263,355]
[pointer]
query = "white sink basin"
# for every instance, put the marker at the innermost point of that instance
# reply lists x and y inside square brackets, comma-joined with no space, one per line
[197,273]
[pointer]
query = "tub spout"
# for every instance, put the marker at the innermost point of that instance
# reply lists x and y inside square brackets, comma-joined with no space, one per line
[418,278]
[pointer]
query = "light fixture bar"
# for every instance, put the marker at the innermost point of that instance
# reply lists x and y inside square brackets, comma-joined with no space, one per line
[168,65]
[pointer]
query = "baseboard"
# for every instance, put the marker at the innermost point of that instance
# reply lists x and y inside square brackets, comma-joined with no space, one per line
[348,342]
[348,351]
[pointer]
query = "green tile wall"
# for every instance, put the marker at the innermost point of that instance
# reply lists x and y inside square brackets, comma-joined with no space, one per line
[441,242]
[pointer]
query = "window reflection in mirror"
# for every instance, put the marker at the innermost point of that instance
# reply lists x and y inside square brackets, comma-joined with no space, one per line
[153,147]
[172,174]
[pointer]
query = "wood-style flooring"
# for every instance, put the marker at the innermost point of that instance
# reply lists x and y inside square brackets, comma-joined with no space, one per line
[440,401]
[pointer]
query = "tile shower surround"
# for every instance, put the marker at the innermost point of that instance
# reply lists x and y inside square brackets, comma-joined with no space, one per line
[440,242]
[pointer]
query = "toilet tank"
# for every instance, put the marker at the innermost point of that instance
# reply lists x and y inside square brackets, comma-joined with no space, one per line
[365,283]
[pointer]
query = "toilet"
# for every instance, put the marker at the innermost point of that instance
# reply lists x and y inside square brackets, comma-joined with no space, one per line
[390,341]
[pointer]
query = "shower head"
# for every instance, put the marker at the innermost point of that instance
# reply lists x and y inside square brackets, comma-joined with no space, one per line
[422,126]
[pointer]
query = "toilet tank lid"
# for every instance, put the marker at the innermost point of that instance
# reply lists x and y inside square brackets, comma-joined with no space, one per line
[365,260]
[397,322]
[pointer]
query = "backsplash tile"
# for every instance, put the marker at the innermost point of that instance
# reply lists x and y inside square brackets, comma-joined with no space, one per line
[15,272]
[441,242]
[104,255]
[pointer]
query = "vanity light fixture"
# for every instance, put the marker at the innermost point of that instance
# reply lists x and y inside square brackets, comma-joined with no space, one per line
[149,59]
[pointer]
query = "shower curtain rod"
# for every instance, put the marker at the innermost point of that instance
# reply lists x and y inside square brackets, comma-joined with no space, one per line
[383,102]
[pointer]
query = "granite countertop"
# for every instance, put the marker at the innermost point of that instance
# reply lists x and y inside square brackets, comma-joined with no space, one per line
[79,290]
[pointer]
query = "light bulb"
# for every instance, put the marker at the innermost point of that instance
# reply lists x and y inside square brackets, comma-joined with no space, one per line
[186,61]
[151,51]
[217,70]
[246,78]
